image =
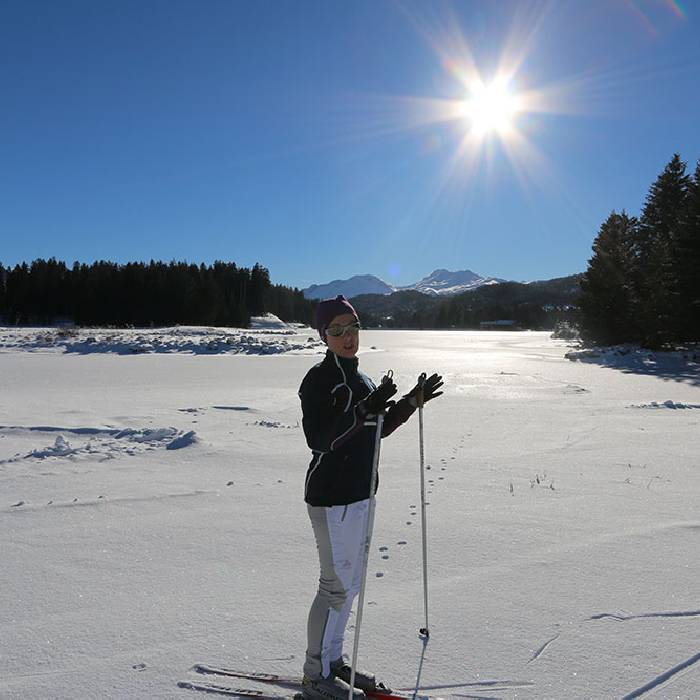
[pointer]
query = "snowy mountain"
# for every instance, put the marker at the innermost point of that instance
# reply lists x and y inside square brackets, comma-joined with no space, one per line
[359,284]
[445,282]
[439,282]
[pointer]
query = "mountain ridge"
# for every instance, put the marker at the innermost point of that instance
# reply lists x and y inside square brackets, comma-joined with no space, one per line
[440,282]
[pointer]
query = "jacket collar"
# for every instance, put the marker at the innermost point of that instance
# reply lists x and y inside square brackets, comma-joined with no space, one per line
[348,364]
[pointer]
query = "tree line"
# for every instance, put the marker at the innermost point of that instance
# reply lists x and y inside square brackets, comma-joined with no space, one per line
[642,284]
[535,306]
[144,294]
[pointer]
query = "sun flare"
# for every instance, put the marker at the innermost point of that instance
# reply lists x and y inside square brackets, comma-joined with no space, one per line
[491,108]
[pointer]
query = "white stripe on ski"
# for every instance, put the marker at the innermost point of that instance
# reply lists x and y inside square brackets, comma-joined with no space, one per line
[235,692]
[248,675]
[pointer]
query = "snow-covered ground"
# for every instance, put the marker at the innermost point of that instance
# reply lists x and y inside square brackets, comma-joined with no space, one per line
[151,516]
[267,336]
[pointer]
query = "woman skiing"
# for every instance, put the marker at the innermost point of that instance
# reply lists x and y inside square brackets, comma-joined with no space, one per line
[340,405]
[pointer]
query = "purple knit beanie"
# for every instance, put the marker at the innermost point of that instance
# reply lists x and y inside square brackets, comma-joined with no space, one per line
[328,309]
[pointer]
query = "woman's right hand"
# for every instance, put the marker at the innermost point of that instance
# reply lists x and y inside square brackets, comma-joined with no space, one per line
[379,400]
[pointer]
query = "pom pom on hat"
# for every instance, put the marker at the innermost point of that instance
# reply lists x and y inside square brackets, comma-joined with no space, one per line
[328,309]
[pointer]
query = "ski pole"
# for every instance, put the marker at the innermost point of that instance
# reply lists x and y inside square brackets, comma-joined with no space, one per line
[368,540]
[423,631]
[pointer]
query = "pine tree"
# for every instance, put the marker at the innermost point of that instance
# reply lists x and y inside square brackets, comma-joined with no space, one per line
[606,296]
[3,296]
[656,297]
[687,264]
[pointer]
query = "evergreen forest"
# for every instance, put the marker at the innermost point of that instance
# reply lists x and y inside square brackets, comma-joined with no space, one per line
[642,284]
[144,294]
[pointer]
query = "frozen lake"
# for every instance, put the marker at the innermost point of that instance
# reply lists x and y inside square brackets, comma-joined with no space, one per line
[152,516]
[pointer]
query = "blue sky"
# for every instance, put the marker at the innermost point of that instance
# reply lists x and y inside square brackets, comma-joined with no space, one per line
[292,133]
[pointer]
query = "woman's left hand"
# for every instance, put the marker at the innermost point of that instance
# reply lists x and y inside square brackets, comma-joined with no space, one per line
[429,388]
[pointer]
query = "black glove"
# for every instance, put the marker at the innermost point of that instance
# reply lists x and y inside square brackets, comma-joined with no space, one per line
[378,400]
[429,388]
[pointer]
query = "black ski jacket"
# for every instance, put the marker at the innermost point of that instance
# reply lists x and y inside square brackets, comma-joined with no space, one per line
[340,433]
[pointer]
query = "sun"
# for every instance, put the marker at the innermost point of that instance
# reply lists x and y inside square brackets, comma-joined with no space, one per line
[491,108]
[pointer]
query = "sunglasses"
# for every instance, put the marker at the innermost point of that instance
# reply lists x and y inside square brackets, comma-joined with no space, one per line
[336,330]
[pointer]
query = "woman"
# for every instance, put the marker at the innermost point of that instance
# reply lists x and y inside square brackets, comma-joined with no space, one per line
[340,405]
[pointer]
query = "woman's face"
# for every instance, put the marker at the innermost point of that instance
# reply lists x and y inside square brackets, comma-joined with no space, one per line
[345,345]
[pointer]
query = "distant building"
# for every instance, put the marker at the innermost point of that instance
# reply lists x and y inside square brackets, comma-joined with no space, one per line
[498,326]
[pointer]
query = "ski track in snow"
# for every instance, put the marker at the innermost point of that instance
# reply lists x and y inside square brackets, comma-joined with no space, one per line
[264,423]
[541,650]
[622,617]
[25,506]
[663,678]
[202,409]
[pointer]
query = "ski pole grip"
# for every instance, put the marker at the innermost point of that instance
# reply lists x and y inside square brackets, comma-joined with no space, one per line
[419,395]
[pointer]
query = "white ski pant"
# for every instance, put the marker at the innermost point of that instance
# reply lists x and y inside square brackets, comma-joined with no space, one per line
[340,538]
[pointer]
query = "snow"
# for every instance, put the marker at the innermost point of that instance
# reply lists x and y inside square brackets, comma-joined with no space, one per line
[267,336]
[447,283]
[563,526]
[267,321]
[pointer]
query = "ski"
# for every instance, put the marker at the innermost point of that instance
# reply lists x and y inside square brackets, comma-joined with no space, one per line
[233,691]
[295,682]
[248,675]
[215,688]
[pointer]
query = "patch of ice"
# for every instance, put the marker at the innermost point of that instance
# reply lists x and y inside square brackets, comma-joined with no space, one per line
[632,353]
[60,448]
[189,438]
[147,434]
[92,443]
[666,404]
[273,424]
